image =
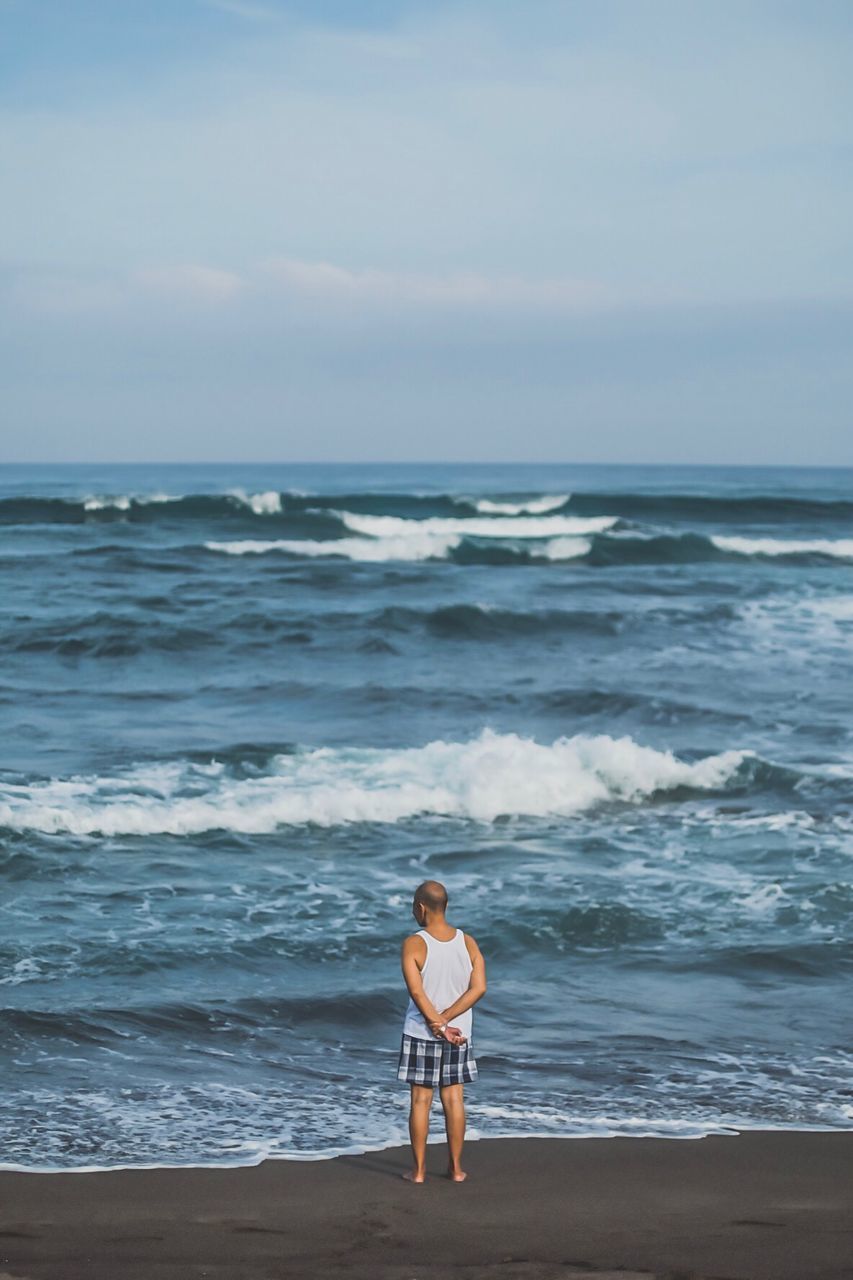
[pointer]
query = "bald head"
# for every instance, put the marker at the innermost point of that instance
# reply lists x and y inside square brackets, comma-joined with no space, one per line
[432,896]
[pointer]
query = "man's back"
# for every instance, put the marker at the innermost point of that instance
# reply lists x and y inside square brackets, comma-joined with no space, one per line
[445,965]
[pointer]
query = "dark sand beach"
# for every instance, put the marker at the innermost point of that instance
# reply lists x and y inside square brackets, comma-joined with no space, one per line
[762,1205]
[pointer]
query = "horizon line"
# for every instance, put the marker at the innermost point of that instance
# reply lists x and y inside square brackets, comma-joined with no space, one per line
[416,462]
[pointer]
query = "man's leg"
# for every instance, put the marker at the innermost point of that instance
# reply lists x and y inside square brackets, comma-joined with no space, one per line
[453,1101]
[418,1129]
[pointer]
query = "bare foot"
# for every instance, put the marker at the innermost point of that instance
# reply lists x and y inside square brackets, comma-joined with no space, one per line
[414,1176]
[456,1175]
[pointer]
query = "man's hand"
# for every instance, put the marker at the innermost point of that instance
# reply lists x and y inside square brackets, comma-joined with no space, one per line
[454,1036]
[445,1032]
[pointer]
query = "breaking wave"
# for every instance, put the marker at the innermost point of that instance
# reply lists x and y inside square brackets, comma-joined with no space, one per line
[425,540]
[124,503]
[262,504]
[839,548]
[532,507]
[489,777]
[413,546]
[497,527]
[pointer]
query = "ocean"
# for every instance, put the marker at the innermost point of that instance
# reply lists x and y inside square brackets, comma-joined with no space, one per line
[244,710]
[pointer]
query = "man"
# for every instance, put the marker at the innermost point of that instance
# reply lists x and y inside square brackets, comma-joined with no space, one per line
[446,976]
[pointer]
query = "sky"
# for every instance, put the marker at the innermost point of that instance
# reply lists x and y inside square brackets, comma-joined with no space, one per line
[320,230]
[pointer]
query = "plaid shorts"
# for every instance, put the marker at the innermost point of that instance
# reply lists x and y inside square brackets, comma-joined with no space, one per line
[435,1062]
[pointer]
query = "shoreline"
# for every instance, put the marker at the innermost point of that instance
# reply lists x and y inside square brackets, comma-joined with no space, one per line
[771,1205]
[434,1140]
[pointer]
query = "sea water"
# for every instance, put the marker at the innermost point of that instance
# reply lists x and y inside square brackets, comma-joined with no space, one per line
[244,710]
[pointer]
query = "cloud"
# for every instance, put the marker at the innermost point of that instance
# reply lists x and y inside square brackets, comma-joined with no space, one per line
[191,282]
[323,285]
[326,281]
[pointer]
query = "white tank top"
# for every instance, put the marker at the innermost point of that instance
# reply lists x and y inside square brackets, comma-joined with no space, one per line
[445,975]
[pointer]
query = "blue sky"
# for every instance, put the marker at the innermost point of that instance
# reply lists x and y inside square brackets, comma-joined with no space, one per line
[591,231]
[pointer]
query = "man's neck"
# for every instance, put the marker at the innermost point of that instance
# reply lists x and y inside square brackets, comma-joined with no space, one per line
[439,928]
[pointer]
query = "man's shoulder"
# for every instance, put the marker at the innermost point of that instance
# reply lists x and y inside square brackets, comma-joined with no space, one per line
[471,944]
[414,942]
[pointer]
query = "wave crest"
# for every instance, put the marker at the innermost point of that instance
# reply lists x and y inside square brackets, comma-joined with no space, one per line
[531,507]
[838,548]
[471,527]
[262,504]
[376,550]
[491,776]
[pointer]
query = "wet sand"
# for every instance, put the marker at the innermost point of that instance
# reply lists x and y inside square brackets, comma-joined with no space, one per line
[756,1206]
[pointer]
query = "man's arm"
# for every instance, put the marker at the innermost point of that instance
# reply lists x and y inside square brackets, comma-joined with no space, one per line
[414,950]
[476,983]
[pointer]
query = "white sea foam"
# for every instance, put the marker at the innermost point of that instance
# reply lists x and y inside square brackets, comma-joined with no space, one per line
[492,775]
[123,501]
[836,608]
[23,971]
[263,504]
[789,820]
[413,547]
[565,548]
[382,538]
[498,527]
[533,507]
[764,900]
[120,503]
[842,548]
[797,625]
